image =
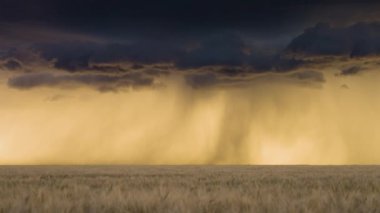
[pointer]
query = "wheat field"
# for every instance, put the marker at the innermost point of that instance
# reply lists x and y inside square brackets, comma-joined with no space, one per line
[189,189]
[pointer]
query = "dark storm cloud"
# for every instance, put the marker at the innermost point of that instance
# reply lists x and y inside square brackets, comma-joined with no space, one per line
[70,56]
[210,12]
[101,82]
[156,72]
[75,56]
[358,40]
[231,71]
[214,50]
[210,79]
[12,64]
[220,41]
[90,14]
[173,18]
[221,49]
[137,66]
[108,68]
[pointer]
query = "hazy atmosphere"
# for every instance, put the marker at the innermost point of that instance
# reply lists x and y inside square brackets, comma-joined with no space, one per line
[189,82]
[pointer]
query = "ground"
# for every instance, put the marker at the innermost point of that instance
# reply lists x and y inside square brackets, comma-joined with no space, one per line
[190,189]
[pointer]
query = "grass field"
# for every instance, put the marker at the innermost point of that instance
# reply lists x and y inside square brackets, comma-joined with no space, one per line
[190,189]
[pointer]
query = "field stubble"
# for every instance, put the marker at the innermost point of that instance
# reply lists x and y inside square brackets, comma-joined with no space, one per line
[190,189]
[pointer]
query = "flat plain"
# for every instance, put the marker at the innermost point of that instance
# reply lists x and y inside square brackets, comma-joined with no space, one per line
[189,188]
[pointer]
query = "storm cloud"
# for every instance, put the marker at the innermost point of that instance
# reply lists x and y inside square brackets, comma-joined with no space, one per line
[228,50]
[100,82]
[358,40]
[209,43]
[12,64]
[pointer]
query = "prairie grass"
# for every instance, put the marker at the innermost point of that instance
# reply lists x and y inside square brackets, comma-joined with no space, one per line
[190,189]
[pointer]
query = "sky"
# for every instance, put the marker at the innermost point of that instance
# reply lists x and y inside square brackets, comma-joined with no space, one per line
[189,82]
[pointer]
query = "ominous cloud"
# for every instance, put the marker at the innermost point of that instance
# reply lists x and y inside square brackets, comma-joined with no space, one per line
[358,40]
[225,49]
[219,49]
[12,64]
[97,42]
[100,82]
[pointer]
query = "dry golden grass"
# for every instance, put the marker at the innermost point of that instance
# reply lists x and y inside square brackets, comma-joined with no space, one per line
[190,189]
